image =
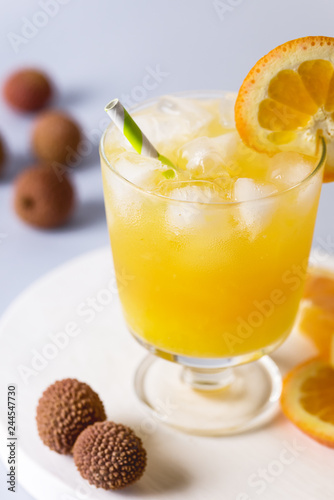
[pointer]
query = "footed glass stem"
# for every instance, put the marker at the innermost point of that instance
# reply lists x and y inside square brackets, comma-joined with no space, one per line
[207,380]
[212,402]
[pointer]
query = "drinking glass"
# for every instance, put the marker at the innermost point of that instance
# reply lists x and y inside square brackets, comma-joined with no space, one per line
[214,288]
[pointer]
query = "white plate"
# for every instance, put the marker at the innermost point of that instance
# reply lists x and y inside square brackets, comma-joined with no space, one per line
[272,463]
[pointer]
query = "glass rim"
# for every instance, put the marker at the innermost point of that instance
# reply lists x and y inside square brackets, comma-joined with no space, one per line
[204,94]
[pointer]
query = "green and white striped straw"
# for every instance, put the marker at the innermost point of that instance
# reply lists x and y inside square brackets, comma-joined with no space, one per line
[135,136]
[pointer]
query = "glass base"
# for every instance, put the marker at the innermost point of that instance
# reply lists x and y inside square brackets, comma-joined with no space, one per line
[209,402]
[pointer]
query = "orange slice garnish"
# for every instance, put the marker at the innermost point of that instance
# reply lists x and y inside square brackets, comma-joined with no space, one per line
[287,100]
[308,400]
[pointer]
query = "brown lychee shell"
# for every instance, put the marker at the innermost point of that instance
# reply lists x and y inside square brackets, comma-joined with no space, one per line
[65,409]
[2,155]
[109,455]
[55,137]
[27,90]
[43,197]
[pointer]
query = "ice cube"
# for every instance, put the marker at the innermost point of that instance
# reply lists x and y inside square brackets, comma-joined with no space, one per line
[308,193]
[169,105]
[209,157]
[287,169]
[115,143]
[173,120]
[195,191]
[202,158]
[145,172]
[121,198]
[255,213]
[199,194]
[225,184]
[226,110]
[247,189]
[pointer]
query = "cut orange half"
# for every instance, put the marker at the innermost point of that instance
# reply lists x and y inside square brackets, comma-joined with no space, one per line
[287,99]
[317,310]
[308,400]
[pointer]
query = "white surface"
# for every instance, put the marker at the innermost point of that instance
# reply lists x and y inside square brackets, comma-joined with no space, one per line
[104,355]
[99,50]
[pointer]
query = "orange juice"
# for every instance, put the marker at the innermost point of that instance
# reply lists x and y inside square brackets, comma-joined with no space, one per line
[216,257]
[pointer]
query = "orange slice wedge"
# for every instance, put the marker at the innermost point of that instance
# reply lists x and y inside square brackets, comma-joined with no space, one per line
[308,400]
[317,310]
[287,100]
